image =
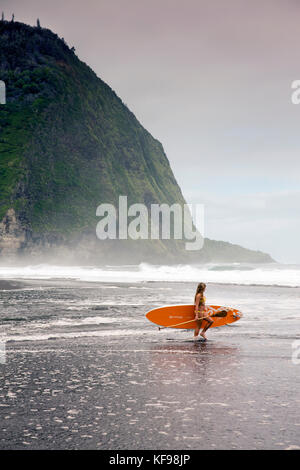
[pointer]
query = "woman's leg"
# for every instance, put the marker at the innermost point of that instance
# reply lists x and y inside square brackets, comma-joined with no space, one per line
[201,313]
[209,322]
[198,328]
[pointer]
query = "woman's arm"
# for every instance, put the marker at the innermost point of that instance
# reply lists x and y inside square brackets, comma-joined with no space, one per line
[197,305]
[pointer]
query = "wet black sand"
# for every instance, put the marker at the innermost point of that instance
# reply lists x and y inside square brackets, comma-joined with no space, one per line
[131,395]
[10,285]
[153,390]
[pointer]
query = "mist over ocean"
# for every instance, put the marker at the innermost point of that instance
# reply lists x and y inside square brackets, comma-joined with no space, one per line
[82,364]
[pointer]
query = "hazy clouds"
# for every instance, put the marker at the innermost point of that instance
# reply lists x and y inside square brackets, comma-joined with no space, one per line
[212,81]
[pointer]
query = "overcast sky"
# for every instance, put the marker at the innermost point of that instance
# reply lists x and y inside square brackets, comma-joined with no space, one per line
[212,81]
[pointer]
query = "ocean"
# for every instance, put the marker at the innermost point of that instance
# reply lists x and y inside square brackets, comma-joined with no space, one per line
[82,368]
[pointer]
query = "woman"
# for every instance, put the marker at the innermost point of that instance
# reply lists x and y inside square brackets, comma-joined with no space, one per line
[200,312]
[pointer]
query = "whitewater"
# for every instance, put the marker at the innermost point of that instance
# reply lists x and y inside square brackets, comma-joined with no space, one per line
[273,274]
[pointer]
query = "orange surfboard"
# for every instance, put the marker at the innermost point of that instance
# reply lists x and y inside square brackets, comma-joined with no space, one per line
[176,316]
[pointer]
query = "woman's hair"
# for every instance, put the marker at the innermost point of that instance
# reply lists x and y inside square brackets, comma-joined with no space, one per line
[200,289]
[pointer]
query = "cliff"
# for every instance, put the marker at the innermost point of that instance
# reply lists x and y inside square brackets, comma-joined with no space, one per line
[67,144]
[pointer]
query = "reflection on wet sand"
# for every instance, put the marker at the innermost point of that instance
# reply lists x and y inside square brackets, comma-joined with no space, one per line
[201,363]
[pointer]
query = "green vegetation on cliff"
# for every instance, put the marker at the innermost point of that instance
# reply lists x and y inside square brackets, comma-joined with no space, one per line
[68,143]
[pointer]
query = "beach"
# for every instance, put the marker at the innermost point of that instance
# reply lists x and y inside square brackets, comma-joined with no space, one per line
[82,368]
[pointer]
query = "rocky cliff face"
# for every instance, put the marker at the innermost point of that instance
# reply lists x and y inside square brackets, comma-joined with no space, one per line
[68,144]
[12,234]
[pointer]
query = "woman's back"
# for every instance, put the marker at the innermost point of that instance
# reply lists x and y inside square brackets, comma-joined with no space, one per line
[199,299]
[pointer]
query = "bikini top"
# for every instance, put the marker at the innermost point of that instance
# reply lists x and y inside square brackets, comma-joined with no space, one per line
[202,300]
